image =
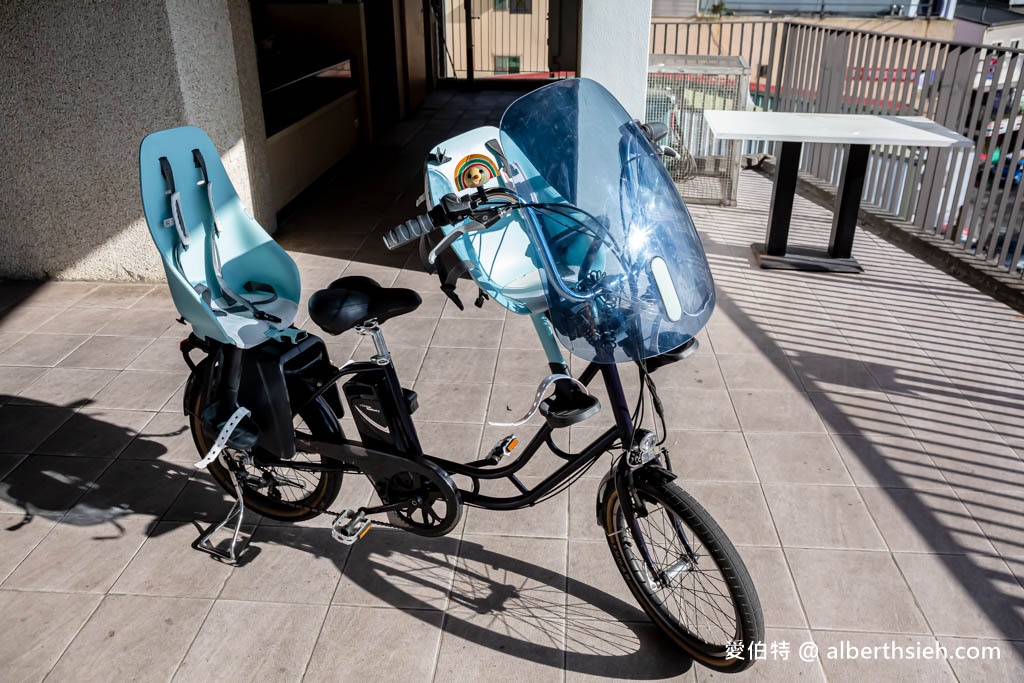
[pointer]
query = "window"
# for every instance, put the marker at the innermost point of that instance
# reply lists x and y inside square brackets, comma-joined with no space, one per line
[505,64]
[514,6]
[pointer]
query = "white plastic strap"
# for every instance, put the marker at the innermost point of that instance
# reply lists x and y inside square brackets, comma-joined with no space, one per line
[545,383]
[222,438]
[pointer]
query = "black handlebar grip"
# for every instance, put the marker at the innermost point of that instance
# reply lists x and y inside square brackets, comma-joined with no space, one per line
[407,232]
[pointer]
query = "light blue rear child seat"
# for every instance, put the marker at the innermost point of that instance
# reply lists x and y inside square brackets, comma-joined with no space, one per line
[229,279]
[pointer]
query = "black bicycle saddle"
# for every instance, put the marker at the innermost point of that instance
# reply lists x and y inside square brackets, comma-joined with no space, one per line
[354,300]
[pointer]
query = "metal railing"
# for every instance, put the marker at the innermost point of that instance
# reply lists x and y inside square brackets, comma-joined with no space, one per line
[822,8]
[973,198]
[494,38]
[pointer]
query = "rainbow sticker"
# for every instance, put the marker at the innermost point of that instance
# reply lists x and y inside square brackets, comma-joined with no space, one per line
[474,171]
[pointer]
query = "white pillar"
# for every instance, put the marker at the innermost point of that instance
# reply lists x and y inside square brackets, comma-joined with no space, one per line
[613,49]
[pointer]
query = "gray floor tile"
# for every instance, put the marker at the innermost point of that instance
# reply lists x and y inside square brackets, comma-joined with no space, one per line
[114,296]
[891,461]
[65,386]
[548,519]
[48,486]
[284,635]
[129,635]
[775,667]
[797,459]
[41,350]
[162,355]
[24,427]
[471,334]
[350,644]
[25,319]
[18,537]
[96,433]
[396,569]
[450,402]
[773,582]
[506,620]
[1000,514]
[698,409]
[712,456]
[603,650]
[757,371]
[109,353]
[596,589]
[167,565]
[822,517]
[46,623]
[859,413]
[311,560]
[140,390]
[458,365]
[855,669]
[924,521]
[166,437]
[14,380]
[965,595]
[739,508]
[83,558]
[775,411]
[867,594]
[982,665]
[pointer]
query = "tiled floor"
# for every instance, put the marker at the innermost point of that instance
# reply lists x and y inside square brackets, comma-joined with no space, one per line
[858,437]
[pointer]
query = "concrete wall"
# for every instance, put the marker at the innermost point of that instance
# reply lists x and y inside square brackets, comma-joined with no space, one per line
[83,83]
[614,47]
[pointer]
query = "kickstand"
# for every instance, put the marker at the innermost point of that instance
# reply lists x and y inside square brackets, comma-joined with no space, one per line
[237,512]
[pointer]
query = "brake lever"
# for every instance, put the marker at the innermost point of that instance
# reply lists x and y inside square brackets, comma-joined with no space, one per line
[455,234]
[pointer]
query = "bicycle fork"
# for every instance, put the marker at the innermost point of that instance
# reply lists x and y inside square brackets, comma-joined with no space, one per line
[633,508]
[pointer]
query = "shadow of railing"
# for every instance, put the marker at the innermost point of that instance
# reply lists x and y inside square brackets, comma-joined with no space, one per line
[920,387]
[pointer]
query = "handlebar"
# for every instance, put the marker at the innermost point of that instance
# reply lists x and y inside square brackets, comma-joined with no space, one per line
[450,210]
[409,231]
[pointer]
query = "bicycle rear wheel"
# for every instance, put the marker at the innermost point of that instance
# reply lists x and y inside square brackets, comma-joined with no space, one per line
[280,493]
[701,595]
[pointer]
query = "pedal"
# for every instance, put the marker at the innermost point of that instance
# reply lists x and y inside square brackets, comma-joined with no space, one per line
[500,450]
[350,526]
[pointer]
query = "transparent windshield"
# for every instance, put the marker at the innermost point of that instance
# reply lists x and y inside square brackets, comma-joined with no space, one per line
[627,276]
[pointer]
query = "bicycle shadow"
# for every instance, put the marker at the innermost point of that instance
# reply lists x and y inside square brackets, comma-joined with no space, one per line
[84,471]
[491,601]
[526,609]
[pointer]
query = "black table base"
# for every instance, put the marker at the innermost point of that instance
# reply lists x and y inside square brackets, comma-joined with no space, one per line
[775,252]
[804,258]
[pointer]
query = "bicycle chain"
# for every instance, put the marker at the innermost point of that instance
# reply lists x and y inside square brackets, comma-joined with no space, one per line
[321,511]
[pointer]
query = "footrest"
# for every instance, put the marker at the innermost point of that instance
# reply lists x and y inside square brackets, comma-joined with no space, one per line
[566,408]
[350,526]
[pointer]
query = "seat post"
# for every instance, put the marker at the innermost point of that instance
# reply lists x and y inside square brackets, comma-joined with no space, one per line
[370,327]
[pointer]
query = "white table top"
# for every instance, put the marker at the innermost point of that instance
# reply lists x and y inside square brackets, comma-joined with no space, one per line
[842,129]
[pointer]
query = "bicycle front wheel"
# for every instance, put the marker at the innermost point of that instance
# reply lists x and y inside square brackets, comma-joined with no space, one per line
[700,593]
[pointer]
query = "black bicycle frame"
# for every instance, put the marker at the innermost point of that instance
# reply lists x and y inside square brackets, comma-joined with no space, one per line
[399,416]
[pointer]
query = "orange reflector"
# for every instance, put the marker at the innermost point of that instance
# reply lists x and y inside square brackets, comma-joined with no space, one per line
[368,527]
[512,444]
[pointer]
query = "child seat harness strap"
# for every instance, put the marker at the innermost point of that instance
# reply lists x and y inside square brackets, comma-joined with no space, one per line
[235,303]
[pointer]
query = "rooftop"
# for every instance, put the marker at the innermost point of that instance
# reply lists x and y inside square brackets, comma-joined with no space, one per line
[987,13]
[859,437]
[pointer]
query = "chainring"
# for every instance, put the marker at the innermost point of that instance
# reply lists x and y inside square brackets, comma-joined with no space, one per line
[434,506]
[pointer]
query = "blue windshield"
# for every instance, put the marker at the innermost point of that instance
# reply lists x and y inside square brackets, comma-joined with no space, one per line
[627,278]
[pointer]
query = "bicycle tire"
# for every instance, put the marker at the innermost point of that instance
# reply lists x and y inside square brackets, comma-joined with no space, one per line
[324,486]
[735,653]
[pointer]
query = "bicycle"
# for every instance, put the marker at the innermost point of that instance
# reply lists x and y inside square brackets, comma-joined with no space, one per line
[264,401]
